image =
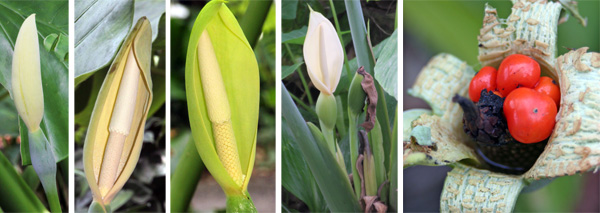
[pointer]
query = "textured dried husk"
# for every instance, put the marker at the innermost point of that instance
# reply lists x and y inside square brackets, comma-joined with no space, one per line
[574,146]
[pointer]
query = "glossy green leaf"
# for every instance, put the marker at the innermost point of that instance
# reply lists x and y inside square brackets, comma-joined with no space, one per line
[296,177]
[332,181]
[288,70]
[51,20]
[153,10]
[241,85]
[288,9]
[294,36]
[94,48]
[386,69]
[16,195]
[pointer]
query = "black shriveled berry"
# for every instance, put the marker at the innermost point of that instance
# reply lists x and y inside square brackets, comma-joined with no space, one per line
[485,122]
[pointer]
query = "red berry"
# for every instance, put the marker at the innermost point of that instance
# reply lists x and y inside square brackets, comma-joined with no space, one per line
[484,79]
[517,71]
[548,87]
[530,115]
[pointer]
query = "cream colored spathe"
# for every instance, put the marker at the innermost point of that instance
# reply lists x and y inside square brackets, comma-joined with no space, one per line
[323,53]
[27,91]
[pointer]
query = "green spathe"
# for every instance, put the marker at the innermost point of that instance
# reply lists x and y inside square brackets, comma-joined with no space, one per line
[239,71]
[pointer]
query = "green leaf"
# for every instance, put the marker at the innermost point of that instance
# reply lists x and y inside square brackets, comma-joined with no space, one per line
[386,69]
[122,197]
[331,179]
[153,10]
[296,177]
[16,195]
[288,70]
[294,36]
[51,20]
[241,85]
[186,167]
[94,47]
[288,9]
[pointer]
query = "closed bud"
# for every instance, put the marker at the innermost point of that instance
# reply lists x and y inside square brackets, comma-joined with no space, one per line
[27,91]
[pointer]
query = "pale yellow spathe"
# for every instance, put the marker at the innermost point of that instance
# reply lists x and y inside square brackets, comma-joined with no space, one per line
[27,91]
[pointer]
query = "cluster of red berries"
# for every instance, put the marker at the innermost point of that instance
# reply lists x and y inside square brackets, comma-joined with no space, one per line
[531,102]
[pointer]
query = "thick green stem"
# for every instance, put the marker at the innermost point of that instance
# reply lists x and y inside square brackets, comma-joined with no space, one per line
[42,159]
[328,134]
[304,84]
[340,124]
[252,22]
[240,203]
[185,178]
[353,140]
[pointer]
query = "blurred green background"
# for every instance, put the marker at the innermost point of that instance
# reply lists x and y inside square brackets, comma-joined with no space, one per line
[432,27]
[208,195]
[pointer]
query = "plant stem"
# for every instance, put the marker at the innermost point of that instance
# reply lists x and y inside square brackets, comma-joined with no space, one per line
[303,105]
[185,178]
[339,32]
[353,140]
[306,90]
[44,163]
[253,20]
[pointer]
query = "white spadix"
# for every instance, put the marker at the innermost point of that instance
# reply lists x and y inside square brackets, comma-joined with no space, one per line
[120,124]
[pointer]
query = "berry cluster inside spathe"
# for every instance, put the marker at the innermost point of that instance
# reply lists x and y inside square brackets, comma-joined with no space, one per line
[530,101]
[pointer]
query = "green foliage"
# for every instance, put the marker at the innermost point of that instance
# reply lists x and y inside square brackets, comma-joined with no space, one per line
[354,41]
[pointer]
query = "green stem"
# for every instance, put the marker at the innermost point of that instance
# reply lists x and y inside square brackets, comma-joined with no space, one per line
[353,140]
[253,20]
[340,124]
[240,203]
[339,32]
[185,178]
[306,90]
[43,161]
[328,133]
[303,105]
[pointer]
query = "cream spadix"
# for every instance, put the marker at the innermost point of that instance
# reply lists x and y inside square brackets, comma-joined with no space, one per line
[218,109]
[27,91]
[120,123]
